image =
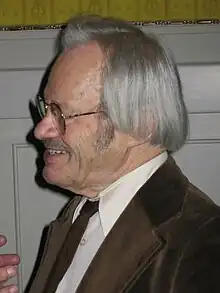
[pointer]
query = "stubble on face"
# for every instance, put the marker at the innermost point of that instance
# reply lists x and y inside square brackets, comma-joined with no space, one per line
[105,134]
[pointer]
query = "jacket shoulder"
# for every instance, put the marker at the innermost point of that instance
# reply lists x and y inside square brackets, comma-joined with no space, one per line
[198,267]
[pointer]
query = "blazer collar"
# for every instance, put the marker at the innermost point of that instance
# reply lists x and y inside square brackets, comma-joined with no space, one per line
[136,238]
[162,197]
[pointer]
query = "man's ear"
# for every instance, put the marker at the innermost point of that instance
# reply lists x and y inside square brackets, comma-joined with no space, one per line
[137,141]
[133,141]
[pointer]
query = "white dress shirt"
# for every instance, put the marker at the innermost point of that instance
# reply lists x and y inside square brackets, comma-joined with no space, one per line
[112,202]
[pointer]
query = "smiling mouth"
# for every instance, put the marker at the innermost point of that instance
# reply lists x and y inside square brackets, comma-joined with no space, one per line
[55,152]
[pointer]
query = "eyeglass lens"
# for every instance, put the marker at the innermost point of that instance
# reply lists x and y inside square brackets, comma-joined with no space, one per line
[57,116]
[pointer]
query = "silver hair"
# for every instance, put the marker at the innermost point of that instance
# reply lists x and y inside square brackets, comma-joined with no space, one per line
[142,93]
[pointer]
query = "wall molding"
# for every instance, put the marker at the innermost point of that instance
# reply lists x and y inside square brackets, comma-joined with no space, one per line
[15,153]
[49,32]
[141,24]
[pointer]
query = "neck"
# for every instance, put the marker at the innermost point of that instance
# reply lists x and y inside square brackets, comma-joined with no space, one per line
[129,161]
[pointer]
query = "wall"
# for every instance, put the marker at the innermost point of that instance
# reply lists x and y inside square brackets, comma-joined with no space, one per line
[38,12]
[25,208]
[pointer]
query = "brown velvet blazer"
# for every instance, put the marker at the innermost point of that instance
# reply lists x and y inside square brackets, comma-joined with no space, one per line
[166,241]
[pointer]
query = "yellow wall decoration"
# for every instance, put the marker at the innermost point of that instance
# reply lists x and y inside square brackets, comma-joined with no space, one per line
[42,12]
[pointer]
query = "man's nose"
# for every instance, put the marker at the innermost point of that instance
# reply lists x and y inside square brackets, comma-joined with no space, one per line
[46,129]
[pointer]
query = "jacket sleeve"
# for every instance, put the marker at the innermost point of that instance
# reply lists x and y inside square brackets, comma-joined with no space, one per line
[198,269]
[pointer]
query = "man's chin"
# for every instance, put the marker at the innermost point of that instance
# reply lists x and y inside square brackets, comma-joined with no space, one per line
[55,178]
[49,176]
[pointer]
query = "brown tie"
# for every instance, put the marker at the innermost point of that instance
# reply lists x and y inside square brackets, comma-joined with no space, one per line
[70,245]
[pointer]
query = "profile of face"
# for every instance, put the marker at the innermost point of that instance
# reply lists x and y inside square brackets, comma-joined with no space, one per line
[75,156]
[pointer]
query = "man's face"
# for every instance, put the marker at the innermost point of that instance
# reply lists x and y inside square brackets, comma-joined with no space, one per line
[74,158]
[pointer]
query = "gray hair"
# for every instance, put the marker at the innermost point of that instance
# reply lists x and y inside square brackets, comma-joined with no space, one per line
[142,92]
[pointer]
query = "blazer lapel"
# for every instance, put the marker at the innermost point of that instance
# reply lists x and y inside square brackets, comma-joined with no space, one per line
[132,243]
[56,235]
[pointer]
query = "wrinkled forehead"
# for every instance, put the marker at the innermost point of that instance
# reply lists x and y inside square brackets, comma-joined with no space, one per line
[76,74]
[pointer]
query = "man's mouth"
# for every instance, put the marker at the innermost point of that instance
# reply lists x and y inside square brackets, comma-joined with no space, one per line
[55,152]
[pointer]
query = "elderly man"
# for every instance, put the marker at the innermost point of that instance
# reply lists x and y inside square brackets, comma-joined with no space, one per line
[112,113]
